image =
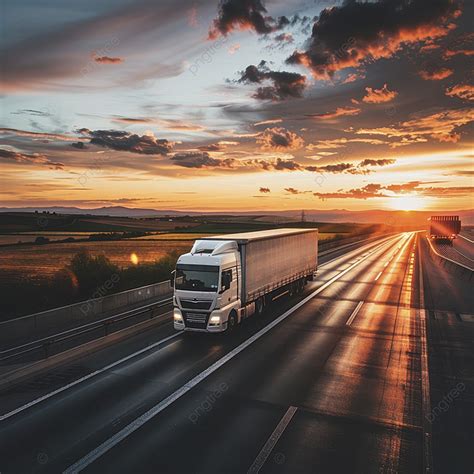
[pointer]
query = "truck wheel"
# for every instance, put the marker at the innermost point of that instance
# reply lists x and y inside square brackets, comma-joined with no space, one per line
[259,305]
[232,322]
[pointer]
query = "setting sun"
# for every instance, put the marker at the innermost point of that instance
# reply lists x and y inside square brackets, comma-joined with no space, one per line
[408,203]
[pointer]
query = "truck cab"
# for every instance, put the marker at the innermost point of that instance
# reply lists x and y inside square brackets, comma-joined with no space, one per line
[227,278]
[206,287]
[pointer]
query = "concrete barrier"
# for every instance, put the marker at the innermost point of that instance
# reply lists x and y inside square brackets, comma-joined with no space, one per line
[451,265]
[34,326]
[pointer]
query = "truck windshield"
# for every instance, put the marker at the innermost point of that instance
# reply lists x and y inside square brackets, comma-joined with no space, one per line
[197,277]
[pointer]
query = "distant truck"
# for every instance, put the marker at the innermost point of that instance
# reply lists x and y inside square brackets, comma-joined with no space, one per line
[227,278]
[444,228]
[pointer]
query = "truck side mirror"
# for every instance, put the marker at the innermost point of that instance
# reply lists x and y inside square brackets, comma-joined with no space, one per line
[172,277]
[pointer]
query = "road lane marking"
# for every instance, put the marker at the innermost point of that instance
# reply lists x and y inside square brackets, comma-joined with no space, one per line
[141,351]
[111,442]
[354,313]
[378,276]
[87,377]
[272,441]
[425,376]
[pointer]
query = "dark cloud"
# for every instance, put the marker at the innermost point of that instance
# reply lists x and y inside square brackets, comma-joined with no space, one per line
[36,113]
[244,15]
[279,138]
[284,38]
[195,159]
[283,165]
[264,190]
[35,158]
[347,35]
[79,145]
[125,141]
[108,60]
[377,162]
[204,160]
[210,147]
[368,191]
[285,85]
[295,191]
[351,168]
[337,168]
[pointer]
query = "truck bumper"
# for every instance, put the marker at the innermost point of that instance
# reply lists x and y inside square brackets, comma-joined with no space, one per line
[215,322]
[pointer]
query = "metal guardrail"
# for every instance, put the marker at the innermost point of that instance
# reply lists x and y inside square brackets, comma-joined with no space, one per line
[444,257]
[105,323]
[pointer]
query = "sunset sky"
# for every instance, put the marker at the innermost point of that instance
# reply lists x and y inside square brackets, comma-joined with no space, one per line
[238,105]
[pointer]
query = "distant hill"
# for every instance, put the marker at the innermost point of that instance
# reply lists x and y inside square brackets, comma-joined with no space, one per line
[113,211]
[334,215]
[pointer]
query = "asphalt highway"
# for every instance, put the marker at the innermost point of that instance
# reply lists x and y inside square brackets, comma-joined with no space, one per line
[339,379]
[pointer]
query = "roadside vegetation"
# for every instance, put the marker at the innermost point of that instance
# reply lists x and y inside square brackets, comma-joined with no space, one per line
[78,281]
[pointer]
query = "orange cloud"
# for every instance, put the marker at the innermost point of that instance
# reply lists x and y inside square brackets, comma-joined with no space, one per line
[378,96]
[435,75]
[234,48]
[339,112]
[353,77]
[462,91]
[374,190]
[268,122]
[342,142]
[440,126]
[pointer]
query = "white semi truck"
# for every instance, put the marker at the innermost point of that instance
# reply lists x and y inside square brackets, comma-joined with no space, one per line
[227,278]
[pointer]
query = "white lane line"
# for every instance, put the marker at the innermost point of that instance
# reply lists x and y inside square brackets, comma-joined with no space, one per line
[378,276]
[354,313]
[272,441]
[152,412]
[374,243]
[425,376]
[87,377]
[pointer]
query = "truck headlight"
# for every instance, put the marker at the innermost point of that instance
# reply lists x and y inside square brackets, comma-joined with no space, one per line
[177,316]
[215,320]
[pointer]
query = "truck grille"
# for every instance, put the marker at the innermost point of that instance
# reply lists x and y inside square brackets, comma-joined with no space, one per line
[195,320]
[196,304]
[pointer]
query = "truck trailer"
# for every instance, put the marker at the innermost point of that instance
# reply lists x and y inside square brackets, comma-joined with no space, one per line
[444,228]
[227,278]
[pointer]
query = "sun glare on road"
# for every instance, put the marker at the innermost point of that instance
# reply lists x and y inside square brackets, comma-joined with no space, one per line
[408,203]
